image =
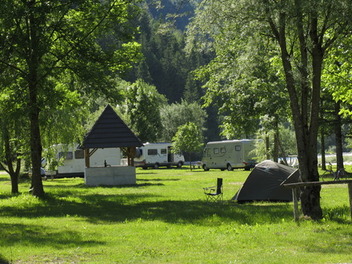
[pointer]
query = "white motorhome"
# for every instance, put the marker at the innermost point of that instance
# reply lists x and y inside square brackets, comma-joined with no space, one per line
[229,154]
[71,161]
[156,155]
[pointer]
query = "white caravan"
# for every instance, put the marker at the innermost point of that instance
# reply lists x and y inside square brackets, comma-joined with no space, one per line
[156,155]
[229,154]
[71,161]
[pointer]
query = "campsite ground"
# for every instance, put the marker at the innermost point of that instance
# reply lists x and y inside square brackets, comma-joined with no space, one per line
[165,219]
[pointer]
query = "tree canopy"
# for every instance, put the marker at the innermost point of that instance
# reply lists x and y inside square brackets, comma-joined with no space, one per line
[299,33]
[177,114]
[141,109]
[52,50]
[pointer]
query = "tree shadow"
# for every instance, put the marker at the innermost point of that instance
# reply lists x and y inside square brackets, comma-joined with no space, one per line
[84,186]
[337,214]
[9,195]
[4,179]
[143,172]
[97,208]
[156,179]
[3,260]
[39,236]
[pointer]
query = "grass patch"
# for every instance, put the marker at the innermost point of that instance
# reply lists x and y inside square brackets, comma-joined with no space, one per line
[165,219]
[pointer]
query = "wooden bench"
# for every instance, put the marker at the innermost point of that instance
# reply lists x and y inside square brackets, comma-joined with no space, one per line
[295,193]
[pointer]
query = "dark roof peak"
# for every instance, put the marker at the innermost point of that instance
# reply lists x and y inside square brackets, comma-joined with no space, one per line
[109,131]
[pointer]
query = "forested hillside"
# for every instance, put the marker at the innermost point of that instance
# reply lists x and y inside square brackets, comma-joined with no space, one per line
[166,65]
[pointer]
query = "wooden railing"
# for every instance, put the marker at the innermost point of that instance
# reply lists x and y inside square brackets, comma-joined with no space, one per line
[295,192]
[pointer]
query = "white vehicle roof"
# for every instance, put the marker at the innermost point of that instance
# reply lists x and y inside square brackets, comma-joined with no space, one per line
[231,141]
[157,144]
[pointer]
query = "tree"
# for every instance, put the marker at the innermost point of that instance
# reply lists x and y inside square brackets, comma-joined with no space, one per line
[188,138]
[245,85]
[175,115]
[336,98]
[142,110]
[166,65]
[332,122]
[303,33]
[282,142]
[45,41]
[316,26]
[12,148]
[337,74]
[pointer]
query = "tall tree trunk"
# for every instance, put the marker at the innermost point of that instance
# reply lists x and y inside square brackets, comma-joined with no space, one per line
[305,112]
[36,150]
[9,157]
[338,136]
[322,143]
[15,174]
[310,198]
[34,109]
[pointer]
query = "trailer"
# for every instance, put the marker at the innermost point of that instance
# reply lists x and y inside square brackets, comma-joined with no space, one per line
[156,155]
[229,154]
[71,163]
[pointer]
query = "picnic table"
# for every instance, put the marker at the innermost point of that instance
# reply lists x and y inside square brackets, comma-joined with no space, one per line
[295,194]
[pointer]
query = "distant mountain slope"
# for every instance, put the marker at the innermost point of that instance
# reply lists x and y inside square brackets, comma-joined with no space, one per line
[178,12]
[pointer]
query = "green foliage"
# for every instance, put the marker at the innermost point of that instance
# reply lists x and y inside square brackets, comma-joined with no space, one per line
[53,54]
[301,33]
[242,80]
[166,64]
[142,110]
[287,143]
[188,138]
[177,114]
[337,73]
[14,130]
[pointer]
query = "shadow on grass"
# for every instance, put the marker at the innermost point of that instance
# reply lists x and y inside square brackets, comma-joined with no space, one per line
[3,261]
[98,208]
[337,214]
[117,207]
[38,236]
[141,183]
[157,179]
[8,195]
[3,178]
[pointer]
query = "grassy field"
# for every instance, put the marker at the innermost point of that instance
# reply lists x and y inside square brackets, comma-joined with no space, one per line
[165,219]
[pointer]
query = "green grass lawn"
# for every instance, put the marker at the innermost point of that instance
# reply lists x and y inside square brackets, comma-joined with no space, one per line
[165,219]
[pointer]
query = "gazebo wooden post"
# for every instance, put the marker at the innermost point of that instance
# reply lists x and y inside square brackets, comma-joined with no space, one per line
[87,157]
[131,154]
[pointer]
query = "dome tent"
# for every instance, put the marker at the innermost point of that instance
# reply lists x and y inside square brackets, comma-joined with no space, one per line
[264,183]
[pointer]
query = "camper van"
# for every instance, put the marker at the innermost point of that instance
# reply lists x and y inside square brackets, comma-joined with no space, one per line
[228,154]
[156,155]
[72,164]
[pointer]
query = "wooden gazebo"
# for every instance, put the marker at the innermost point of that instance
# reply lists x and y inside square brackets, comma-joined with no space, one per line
[109,131]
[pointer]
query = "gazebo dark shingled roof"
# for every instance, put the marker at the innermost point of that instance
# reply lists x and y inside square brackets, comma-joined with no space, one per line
[109,131]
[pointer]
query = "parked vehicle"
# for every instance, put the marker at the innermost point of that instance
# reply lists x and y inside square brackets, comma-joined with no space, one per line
[156,155]
[229,154]
[71,163]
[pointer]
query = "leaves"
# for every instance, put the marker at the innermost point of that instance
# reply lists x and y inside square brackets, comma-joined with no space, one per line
[142,109]
[188,138]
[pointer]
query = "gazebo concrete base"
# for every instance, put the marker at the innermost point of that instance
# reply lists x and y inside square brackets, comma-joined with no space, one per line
[119,175]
